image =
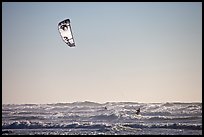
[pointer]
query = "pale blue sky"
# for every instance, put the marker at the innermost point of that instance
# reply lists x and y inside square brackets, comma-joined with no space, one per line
[141,52]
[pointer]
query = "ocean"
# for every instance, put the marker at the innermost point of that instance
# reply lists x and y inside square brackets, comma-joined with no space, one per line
[91,118]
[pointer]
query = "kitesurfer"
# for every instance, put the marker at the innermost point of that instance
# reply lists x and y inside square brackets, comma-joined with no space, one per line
[138,111]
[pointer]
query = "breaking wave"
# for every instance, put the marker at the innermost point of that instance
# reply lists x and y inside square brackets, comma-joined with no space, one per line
[169,126]
[41,125]
[75,125]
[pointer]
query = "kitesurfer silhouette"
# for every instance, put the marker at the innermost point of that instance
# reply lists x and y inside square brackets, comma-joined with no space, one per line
[138,111]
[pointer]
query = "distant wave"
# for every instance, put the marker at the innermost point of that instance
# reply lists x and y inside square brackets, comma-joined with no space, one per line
[105,117]
[173,118]
[84,103]
[27,118]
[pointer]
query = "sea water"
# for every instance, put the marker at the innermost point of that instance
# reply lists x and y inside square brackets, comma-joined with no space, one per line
[91,118]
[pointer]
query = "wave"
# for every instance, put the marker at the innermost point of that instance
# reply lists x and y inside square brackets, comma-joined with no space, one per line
[41,125]
[168,126]
[105,117]
[27,118]
[157,118]
[78,103]
[101,126]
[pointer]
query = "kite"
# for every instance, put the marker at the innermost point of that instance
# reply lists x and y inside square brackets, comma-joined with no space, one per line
[65,31]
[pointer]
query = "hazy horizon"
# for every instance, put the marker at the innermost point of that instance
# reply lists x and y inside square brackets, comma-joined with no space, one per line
[125,52]
[102,102]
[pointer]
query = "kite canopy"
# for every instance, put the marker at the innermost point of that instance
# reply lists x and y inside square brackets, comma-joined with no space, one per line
[65,31]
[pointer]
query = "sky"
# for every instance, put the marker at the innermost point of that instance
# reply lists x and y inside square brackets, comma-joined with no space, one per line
[125,52]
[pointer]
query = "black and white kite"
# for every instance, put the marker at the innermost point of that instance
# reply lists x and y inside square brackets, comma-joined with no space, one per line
[65,31]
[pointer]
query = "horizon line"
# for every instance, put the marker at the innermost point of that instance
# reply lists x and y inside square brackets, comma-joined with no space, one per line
[102,103]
